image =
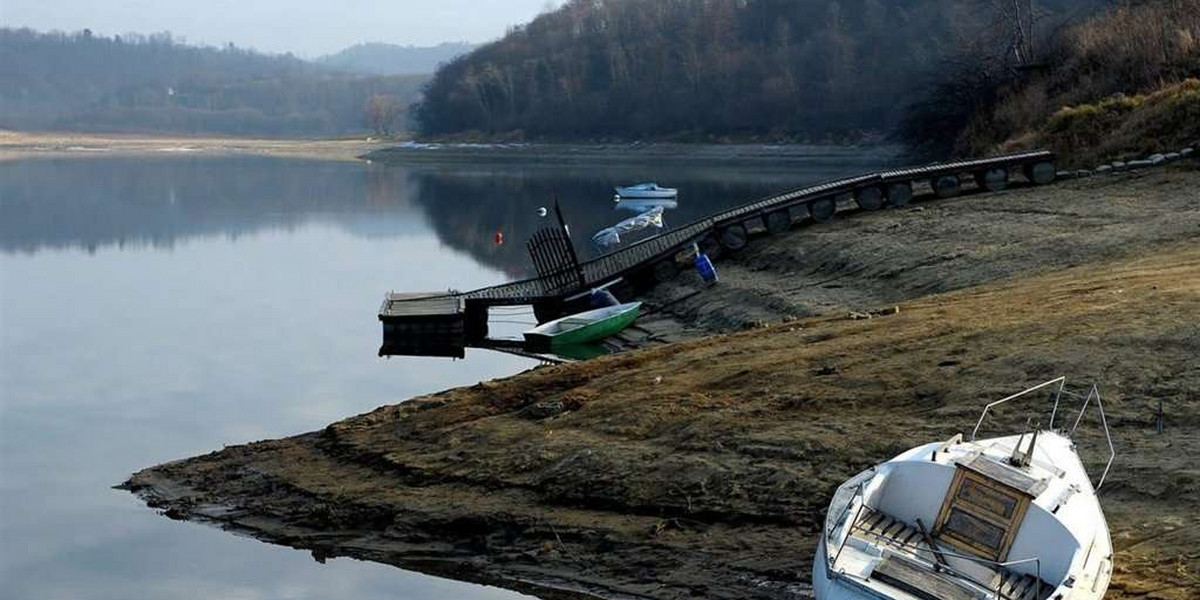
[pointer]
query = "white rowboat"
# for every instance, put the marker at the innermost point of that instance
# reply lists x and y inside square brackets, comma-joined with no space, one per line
[646,190]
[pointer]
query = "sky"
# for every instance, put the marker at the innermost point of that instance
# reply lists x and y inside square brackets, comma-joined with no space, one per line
[307,28]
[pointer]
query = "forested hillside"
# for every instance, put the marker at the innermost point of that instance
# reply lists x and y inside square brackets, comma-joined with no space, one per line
[152,83]
[1122,83]
[391,59]
[778,68]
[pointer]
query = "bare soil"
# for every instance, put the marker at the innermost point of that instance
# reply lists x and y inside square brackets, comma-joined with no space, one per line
[703,468]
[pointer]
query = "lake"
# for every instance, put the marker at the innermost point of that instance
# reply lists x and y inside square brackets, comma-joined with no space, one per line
[154,308]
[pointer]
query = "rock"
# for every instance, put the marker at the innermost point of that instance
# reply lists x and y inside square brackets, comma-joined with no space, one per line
[857,316]
[1172,156]
[1104,169]
[1156,159]
[1187,152]
[545,409]
[1065,175]
[1083,173]
[1118,165]
[1140,164]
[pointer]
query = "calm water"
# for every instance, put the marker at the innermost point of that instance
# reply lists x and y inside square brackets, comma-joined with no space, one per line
[156,308]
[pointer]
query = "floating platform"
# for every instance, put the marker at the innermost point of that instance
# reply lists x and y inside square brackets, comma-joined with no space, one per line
[429,324]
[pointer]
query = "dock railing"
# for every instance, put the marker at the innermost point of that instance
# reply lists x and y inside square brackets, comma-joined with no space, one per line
[605,268]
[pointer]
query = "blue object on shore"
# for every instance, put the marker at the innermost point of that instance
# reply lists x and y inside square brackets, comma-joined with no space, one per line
[603,299]
[705,268]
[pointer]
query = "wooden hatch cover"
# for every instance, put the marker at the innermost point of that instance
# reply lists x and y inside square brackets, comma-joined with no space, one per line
[985,506]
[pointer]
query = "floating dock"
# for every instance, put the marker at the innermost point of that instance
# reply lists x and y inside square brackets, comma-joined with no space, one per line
[563,283]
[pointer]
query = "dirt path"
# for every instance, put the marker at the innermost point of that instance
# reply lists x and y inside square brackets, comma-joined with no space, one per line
[703,468]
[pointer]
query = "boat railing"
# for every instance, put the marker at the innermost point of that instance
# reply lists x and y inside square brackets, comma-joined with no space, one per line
[1058,395]
[1112,452]
[1061,381]
[831,557]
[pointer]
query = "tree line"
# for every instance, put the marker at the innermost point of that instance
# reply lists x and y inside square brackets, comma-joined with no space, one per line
[644,68]
[83,82]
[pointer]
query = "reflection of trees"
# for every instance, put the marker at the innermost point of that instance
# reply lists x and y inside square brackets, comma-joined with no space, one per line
[98,202]
[91,203]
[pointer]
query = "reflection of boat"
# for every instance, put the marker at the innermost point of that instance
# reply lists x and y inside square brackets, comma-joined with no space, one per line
[641,205]
[590,326]
[646,190]
[1013,518]
[580,352]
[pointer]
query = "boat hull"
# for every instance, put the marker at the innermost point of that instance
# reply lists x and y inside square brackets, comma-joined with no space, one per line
[825,588]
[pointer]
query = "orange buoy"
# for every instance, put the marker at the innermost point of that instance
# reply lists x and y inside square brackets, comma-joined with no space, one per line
[499,238]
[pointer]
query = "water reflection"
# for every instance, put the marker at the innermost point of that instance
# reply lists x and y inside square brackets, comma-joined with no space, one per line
[158,202]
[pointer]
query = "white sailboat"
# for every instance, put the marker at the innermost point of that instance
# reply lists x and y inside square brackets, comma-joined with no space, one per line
[1009,518]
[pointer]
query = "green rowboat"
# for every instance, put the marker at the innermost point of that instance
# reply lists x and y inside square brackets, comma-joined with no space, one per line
[584,327]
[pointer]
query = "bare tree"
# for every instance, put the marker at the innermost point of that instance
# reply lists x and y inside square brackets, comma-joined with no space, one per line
[381,112]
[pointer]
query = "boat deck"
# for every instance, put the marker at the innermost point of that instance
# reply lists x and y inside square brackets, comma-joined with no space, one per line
[884,551]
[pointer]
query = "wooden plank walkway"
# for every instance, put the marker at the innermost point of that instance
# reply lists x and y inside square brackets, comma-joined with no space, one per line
[645,254]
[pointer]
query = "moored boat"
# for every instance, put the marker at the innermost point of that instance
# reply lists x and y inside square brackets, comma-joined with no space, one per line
[584,327]
[1012,518]
[646,190]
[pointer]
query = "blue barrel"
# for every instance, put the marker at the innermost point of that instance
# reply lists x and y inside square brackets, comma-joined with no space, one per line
[705,268]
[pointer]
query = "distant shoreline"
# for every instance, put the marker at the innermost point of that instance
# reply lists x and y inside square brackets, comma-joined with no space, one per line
[635,153]
[23,144]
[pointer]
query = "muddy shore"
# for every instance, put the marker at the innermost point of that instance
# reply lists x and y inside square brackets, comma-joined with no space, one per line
[702,468]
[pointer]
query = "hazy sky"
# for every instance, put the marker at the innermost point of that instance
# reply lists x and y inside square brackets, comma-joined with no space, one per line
[305,27]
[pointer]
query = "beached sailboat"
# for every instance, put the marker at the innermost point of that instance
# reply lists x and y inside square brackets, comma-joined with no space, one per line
[584,327]
[646,190]
[1011,518]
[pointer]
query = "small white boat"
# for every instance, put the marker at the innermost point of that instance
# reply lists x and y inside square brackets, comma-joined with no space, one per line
[646,190]
[1013,518]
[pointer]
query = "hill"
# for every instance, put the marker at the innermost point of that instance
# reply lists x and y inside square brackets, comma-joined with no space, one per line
[753,68]
[1123,83]
[151,83]
[391,59]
